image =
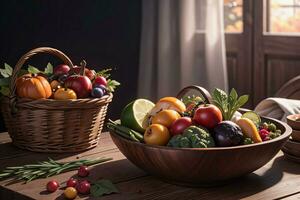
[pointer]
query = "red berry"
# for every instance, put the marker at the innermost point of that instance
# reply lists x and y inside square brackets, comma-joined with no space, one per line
[72,182]
[263,134]
[52,186]
[83,187]
[83,171]
[100,80]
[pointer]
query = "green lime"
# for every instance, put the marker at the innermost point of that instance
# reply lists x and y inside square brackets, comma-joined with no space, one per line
[252,116]
[134,114]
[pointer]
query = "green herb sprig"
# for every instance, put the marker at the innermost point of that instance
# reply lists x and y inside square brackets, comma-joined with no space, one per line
[45,169]
[228,104]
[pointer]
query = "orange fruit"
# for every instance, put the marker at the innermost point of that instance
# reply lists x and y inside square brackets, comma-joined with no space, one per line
[249,129]
[157,134]
[165,117]
[171,103]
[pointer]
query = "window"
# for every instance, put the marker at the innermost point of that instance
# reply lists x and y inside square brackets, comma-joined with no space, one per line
[233,16]
[283,16]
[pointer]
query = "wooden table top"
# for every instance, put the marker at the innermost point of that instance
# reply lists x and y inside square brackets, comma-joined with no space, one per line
[279,179]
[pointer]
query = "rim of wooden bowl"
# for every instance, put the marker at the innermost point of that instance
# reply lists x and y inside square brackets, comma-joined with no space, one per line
[286,134]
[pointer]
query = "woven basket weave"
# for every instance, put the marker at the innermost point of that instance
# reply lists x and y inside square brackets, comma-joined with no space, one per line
[48,125]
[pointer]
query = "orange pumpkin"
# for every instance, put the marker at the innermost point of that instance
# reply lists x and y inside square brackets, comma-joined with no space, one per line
[33,87]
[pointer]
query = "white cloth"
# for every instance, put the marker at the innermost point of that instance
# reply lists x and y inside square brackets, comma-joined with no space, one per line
[182,43]
[278,108]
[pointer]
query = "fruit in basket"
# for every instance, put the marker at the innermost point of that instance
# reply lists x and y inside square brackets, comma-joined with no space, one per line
[97,92]
[70,193]
[171,103]
[64,93]
[87,72]
[100,80]
[55,85]
[135,113]
[207,115]
[157,134]
[228,133]
[165,117]
[249,129]
[52,186]
[33,87]
[61,69]
[179,125]
[82,85]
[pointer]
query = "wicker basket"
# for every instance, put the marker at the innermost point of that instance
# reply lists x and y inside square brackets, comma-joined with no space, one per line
[48,125]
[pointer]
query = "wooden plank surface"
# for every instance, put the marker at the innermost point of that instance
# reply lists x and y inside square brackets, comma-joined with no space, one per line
[278,179]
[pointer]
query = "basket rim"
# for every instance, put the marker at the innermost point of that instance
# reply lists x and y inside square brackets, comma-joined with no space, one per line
[54,104]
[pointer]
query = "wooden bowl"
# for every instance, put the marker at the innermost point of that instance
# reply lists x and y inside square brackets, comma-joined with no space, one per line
[293,146]
[294,121]
[202,166]
[296,135]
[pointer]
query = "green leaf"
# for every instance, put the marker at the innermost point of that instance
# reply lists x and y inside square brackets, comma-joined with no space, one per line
[33,70]
[104,73]
[242,100]
[4,91]
[49,69]
[5,81]
[112,84]
[6,71]
[8,68]
[102,187]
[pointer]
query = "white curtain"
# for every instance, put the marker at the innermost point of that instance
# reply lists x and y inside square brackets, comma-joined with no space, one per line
[182,43]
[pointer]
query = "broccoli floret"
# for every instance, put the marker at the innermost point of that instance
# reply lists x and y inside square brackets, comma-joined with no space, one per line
[248,140]
[199,137]
[174,141]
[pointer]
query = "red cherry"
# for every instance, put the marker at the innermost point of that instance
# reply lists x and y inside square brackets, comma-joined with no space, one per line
[72,182]
[83,187]
[83,171]
[52,186]
[100,80]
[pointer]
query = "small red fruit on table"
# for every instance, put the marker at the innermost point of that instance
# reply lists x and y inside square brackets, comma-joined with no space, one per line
[52,186]
[207,115]
[83,171]
[83,187]
[72,182]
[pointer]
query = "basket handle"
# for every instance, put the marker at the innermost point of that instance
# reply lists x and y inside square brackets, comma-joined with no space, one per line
[205,94]
[28,55]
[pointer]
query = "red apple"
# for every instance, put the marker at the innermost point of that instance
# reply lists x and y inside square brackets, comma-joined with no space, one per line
[207,115]
[100,80]
[87,72]
[61,69]
[82,85]
[179,125]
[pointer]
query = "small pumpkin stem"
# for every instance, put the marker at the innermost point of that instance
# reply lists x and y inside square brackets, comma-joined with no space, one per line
[83,65]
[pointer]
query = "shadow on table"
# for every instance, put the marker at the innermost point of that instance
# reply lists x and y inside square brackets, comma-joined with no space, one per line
[253,183]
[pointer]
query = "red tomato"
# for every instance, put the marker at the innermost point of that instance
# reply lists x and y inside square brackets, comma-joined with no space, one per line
[72,182]
[207,115]
[52,186]
[83,171]
[83,187]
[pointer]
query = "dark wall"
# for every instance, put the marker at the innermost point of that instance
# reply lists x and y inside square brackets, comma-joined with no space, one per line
[105,33]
